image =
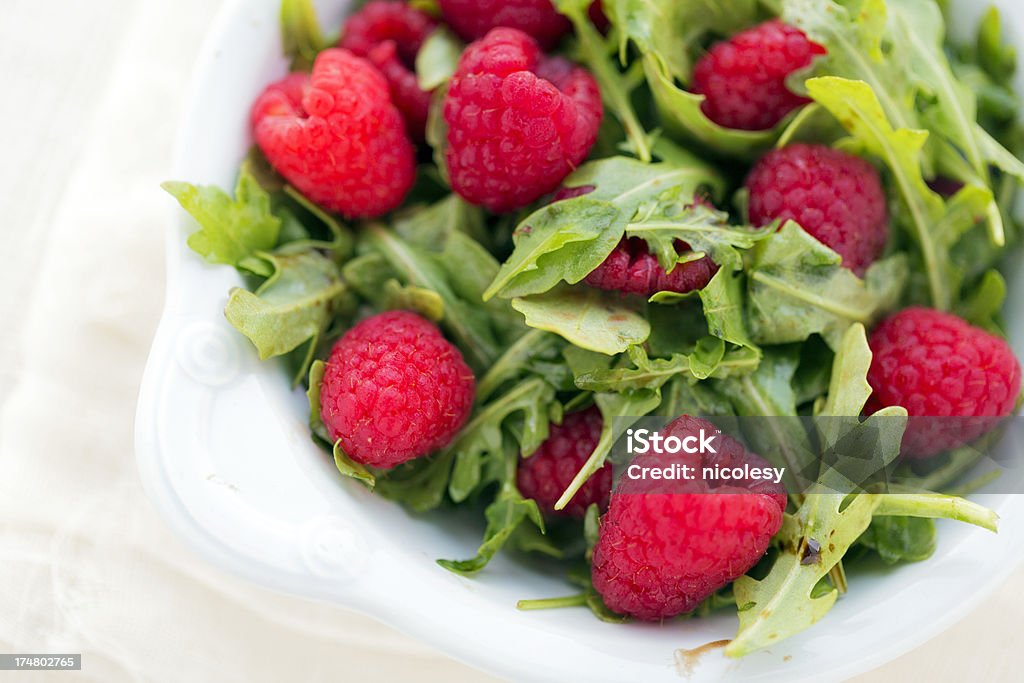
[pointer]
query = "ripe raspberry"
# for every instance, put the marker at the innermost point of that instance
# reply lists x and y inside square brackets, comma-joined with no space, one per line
[538,19]
[544,475]
[394,389]
[836,197]
[661,553]
[390,33]
[955,380]
[336,136]
[518,122]
[633,269]
[744,78]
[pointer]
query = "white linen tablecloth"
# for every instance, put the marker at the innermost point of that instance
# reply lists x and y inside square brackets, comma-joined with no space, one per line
[90,99]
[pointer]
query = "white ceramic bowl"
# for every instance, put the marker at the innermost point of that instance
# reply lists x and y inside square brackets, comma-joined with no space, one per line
[224,452]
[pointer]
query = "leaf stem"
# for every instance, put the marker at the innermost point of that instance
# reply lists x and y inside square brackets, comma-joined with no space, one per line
[937,505]
[579,600]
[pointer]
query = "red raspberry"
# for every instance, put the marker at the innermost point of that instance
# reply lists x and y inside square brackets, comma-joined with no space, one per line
[538,19]
[744,78]
[518,122]
[939,367]
[836,197]
[336,136]
[660,554]
[546,474]
[633,269]
[394,389]
[390,35]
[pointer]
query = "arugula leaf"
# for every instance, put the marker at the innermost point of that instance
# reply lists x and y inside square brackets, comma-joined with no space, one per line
[316,423]
[470,325]
[437,59]
[516,360]
[723,302]
[919,26]
[856,106]
[419,484]
[900,539]
[231,231]
[426,302]
[568,239]
[590,318]
[293,306]
[484,436]
[301,36]
[618,412]
[682,397]
[504,515]
[797,287]
[705,230]
[708,360]
[595,52]
[782,603]
[854,36]
[848,389]
[350,468]
[981,306]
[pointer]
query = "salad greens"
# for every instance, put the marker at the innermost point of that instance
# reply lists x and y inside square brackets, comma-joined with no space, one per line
[780,330]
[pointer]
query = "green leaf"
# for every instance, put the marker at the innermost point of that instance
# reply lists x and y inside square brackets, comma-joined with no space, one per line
[708,360]
[589,318]
[854,35]
[798,287]
[998,59]
[469,323]
[900,539]
[781,604]
[426,302]
[618,412]
[419,484]
[301,36]
[723,302]
[437,59]
[316,423]
[849,390]
[504,515]
[351,468]
[682,397]
[595,51]
[231,231]
[483,436]
[568,239]
[857,107]
[704,229]
[516,361]
[919,27]
[293,306]
[981,306]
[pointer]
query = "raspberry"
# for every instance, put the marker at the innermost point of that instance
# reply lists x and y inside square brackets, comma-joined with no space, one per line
[518,122]
[538,19]
[394,389]
[660,554]
[633,269]
[336,136]
[743,79]
[836,197]
[939,367]
[544,475]
[389,34]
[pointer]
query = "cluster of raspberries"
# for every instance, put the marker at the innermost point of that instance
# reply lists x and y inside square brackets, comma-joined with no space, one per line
[518,121]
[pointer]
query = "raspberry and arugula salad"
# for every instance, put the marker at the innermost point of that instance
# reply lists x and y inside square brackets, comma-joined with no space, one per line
[490,236]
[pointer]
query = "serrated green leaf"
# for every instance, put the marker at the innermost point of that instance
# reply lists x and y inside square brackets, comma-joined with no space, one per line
[900,539]
[231,231]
